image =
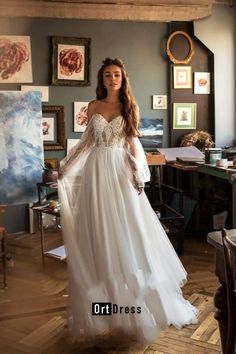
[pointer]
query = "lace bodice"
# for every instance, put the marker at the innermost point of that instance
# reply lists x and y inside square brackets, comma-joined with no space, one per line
[108,134]
[103,134]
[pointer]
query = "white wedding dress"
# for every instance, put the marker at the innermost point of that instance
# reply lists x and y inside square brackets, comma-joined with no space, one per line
[117,250]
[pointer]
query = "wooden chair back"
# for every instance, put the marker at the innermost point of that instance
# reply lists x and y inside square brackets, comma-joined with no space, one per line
[230,271]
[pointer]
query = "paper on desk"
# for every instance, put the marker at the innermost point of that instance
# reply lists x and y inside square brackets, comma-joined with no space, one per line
[186,151]
[58,252]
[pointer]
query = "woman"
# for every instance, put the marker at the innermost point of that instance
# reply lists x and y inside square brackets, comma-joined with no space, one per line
[117,250]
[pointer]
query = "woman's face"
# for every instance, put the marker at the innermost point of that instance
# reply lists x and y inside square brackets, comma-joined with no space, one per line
[112,78]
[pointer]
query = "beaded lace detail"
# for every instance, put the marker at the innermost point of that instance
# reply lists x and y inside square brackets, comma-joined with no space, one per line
[103,134]
[108,134]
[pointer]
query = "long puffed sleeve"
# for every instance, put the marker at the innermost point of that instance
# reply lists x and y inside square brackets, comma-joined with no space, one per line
[79,152]
[137,161]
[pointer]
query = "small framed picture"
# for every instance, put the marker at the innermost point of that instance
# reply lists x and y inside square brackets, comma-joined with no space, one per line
[202,83]
[71,61]
[182,77]
[53,129]
[184,115]
[80,116]
[159,102]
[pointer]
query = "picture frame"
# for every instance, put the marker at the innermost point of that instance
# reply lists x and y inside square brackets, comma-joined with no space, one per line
[77,50]
[159,102]
[182,76]
[53,117]
[53,162]
[173,41]
[184,115]
[202,83]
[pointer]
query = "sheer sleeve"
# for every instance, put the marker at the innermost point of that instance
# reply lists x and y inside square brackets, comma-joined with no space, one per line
[137,161]
[79,151]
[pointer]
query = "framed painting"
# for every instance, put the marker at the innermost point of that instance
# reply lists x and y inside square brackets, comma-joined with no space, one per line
[15,59]
[53,130]
[202,83]
[184,115]
[159,102]
[80,116]
[70,61]
[182,77]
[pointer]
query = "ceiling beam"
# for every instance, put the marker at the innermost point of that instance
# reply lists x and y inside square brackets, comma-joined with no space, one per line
[179,11]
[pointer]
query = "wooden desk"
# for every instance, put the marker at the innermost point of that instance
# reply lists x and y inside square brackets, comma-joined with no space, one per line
[220,298]
[228,174]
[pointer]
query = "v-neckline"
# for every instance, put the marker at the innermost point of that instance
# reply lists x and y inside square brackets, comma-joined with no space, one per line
[107,121]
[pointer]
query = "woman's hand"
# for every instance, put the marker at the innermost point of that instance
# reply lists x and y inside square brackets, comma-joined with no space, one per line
[140,190]
[139,186]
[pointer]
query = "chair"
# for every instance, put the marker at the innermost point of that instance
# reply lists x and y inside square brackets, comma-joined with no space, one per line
[3,256]
[230,271]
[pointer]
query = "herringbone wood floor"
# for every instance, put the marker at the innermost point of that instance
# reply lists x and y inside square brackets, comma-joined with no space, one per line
[33,316]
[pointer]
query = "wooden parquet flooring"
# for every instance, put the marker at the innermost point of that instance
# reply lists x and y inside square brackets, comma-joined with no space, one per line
[33,309]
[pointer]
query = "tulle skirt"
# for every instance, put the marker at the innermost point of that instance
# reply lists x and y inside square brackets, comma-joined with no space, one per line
[118,254]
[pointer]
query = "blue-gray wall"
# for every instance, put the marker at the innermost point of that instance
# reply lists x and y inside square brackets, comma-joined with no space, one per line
[218,33]
[142,47]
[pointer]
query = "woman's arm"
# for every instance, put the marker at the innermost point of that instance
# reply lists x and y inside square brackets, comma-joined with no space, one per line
[138,163]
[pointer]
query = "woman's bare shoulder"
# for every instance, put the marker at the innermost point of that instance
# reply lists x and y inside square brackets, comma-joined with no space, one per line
[92,108]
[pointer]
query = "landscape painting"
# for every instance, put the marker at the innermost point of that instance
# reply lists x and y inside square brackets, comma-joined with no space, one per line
[151,130]
[21,146]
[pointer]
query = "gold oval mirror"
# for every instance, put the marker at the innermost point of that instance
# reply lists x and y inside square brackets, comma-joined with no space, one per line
[179,47]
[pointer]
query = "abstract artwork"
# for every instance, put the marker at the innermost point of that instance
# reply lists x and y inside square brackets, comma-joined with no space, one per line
[80,116]
[151,130]
[15,59]
[21,146]
[71,61]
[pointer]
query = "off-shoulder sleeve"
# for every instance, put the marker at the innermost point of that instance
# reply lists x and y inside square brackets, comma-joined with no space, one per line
[80,151]
[137,161]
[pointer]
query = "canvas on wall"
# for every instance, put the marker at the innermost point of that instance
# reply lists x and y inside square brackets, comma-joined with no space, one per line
[15,59]
[151,130]
[80,116]
[21,146]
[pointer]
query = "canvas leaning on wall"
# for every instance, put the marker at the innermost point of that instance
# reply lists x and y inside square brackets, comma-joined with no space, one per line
[21,146]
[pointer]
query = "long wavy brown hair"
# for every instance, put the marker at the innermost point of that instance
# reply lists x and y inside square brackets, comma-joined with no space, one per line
[129,108]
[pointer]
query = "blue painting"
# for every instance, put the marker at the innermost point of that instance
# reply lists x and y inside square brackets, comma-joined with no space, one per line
[21,146]
[151,130]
